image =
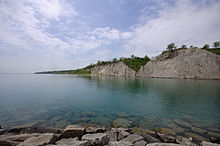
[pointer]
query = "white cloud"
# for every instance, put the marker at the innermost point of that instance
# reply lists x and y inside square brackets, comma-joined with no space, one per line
[184,23]
[126,35]
[107,33]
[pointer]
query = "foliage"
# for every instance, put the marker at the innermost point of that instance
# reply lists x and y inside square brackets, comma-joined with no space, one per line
[183,46]
[171,46]
[214,50]
[206,46]
[216,44]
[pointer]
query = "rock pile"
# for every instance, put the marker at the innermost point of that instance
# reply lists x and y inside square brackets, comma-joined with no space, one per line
[76,135]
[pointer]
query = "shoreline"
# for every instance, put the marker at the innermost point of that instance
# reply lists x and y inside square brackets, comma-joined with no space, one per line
[92,135]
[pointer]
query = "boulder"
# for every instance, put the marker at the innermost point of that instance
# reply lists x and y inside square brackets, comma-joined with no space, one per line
[166,138]
[165,131]
[96,139]
[182,123]
[44,139]
[163,144]
[198,130]
[148,138]
[2,131]
[184,141]
[140,143]
[205,143]
[117,130]
[121,122]
[112,135]
[196,137]
[71,142]
[122,134]
[72,131]
[132,138]
[119,143]
[135,130]
[13,139]
[95,129]
[213,134]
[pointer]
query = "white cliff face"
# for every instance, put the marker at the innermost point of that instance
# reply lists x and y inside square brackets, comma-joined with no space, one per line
[192,63]
[113,69]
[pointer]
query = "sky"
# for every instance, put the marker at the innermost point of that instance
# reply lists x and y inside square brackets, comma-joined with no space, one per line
[41,35]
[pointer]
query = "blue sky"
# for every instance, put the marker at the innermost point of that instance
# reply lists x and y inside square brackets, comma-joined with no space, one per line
[42,35]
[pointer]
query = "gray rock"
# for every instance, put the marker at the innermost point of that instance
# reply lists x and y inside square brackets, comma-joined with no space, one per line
[119,143]
[117,130]
[44,139]
[214,136]
[2,131]
[205,143]
[95,129]
[140,143]
[96,138]
[14,139]
[148,138]
[196,137]
[112,135]
[72,131]
[121,122]
[163,144]
[185,141]
[166,138]
[132,138]
[166,131]
[122,135]
[72,142]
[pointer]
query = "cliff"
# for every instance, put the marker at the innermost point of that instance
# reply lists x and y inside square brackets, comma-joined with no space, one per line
[113,69]
[192,63]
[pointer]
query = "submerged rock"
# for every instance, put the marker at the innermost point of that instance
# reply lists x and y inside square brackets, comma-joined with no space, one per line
[72,131]
[196,137]
[198,130]
[214,137]
[120,122]
[44,139]
[176,128]
[165,131]
[182,123]
[135,130]
[96,139]
[166,138]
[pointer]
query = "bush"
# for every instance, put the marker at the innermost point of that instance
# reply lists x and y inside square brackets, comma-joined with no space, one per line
[183,46]
[171,46]
[216,44]
[206,46]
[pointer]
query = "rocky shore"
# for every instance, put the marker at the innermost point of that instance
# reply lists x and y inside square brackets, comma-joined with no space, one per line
[95,135]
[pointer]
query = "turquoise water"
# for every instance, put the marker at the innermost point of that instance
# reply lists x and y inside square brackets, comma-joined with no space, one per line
[59,100]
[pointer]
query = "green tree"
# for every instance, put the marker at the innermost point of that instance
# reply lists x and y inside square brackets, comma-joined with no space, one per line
[99,62]
[216,44]
[132,56]
[206,46]
[171,46]
[183,46]
[115,60]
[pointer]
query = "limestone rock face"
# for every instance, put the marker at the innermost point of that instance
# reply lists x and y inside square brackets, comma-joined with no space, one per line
[113,69]
[193,63]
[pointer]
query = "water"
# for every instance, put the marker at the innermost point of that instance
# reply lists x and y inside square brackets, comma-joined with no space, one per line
[59,100]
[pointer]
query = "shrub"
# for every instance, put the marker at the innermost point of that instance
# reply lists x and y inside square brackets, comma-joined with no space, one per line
[171,46]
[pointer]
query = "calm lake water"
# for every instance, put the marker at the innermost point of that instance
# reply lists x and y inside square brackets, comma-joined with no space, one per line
[59,100]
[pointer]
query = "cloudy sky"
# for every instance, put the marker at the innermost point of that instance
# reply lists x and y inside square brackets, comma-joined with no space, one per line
[38,35]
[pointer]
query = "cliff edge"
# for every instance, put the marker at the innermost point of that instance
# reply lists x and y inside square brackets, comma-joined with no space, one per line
[191,63]
[113,69]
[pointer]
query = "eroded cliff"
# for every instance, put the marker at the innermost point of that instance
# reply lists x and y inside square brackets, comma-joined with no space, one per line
[191,63]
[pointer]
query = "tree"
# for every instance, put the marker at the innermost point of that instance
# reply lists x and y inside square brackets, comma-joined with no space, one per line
[114,60]
[183,46]
[216,44]
[171,46]
[206,46]
[99,62]
[132,56]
